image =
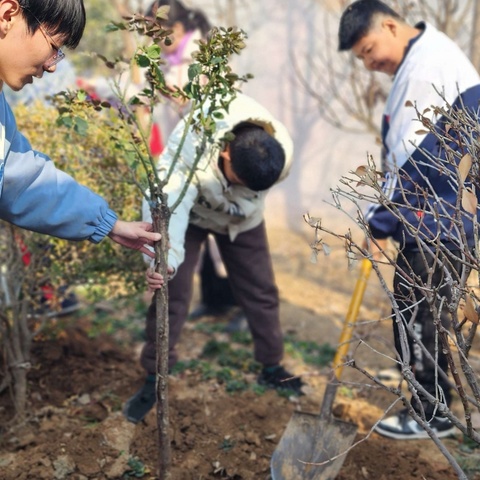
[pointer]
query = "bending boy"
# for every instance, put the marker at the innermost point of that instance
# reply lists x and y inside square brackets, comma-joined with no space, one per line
[225,199]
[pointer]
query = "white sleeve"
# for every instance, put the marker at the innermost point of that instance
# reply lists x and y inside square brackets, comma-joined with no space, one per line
[180,217]
[147,217]
[402,138]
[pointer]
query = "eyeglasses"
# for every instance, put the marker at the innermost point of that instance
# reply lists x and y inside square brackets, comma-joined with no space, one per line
[58,55]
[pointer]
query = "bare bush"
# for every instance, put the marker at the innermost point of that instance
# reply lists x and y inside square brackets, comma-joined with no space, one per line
[449,287]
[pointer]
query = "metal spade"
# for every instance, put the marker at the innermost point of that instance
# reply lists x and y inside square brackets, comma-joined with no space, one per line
[313,445]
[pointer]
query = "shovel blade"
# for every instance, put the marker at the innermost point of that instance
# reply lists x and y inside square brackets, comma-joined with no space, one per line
[309,440]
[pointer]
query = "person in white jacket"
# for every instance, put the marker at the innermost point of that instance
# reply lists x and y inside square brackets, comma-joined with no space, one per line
[422,208]
[226,199]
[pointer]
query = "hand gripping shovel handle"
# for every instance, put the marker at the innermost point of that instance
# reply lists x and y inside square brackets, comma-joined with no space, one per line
[345,337]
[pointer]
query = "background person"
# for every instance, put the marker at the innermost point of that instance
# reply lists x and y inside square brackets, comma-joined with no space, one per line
[422,62]
[189,26]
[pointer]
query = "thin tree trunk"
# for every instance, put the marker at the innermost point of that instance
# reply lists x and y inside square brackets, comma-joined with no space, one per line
[161,217]
[17,345]
[19,376]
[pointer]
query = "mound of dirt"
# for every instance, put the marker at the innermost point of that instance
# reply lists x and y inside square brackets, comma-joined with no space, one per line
[75,429]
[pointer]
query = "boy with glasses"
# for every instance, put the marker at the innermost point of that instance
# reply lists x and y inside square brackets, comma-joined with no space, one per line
[33,193]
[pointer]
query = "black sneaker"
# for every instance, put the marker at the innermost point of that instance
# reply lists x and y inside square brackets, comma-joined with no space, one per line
[277,377]
[403,427]
[137,406]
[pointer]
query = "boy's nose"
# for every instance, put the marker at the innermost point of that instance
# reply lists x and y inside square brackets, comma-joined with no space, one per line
[50,69]
[369,63]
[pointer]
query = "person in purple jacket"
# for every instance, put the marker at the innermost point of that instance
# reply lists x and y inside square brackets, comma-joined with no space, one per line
[33,193]
[434,236]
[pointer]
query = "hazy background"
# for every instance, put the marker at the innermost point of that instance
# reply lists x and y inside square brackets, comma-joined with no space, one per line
[281,32]
[283,35]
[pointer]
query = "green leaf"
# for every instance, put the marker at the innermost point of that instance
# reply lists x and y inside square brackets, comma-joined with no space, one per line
[65,122]
[135,101]
[81,95]
[114,27]
[81,126]
[194,71]
[162,12]
[142,61]
[153,51]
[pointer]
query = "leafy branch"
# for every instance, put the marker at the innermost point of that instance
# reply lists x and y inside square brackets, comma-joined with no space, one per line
[210,88]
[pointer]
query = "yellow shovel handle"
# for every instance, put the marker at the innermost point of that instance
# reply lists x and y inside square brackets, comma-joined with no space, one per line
[351,318]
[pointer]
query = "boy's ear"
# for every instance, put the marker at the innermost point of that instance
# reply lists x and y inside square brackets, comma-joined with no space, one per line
[390,25]
[225,153]
[9,11]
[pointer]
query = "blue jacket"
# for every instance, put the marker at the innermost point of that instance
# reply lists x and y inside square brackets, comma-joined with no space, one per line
[36,196]
[425,197]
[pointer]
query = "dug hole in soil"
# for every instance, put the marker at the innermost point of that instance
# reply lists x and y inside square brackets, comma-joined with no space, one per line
[75,429]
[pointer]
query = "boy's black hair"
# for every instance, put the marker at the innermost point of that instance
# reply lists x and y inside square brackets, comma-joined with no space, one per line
[256,157]
[59,17]
[358,19]
[191,19]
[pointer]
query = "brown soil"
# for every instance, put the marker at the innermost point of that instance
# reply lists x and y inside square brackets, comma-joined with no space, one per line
[75,429]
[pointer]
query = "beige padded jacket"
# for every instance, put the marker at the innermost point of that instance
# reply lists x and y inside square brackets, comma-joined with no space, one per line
[210,202]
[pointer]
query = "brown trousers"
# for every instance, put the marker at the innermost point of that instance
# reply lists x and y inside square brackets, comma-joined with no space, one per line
[249,268]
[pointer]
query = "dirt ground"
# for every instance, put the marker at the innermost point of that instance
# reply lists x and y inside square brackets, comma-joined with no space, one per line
[75,429]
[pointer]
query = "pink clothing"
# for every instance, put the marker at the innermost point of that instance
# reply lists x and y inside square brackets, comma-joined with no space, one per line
[168,113]
[177,57]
